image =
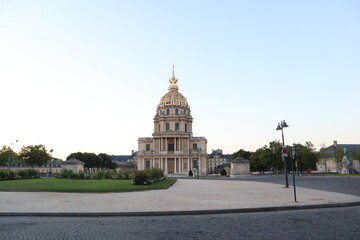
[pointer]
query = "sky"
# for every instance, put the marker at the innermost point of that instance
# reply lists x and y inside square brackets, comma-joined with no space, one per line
[86,76]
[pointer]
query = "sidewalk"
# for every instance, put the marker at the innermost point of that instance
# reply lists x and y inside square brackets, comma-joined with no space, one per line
[200,196]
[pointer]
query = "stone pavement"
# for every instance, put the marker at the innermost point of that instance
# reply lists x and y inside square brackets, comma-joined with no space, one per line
[184,195]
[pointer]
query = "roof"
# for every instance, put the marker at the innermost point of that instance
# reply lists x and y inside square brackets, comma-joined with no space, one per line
[350,147]
[219,154]
[125,164]
[240,160]
[73,161]
[120,158]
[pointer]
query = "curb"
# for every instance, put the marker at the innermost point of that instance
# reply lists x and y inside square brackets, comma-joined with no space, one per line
[175,213]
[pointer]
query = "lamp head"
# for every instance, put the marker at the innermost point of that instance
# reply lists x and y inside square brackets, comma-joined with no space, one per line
[283,124]
[278,127]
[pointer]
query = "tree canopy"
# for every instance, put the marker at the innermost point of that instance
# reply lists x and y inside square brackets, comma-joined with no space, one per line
[93,161]
[8,156]
[35,155]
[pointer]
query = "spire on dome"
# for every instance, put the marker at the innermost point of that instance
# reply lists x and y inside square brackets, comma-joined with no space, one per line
[173,82]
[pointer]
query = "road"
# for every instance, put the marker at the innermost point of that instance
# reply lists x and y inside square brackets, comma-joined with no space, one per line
[337,183]
[334,223]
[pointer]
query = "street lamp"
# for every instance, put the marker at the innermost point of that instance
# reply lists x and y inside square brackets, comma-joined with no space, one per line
[197,165]
[10,154]
[51,151]
[281,125]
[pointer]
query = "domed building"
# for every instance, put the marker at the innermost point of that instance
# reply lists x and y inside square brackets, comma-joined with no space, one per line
[173,147]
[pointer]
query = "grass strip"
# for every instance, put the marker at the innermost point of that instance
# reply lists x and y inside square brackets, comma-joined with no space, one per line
[83,185]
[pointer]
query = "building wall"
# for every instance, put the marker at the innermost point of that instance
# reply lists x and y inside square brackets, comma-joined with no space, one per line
[76,168]
[39,169]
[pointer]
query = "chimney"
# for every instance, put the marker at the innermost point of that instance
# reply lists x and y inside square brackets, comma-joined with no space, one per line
[335,144]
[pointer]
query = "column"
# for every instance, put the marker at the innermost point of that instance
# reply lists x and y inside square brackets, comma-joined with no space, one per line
[166,165]
[175,144]
[189,164]
[199,164]
[175,162]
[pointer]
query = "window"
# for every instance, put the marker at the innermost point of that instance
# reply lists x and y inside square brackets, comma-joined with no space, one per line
[147,164]
[167,111]
[176,126]
[195,147]
[176,111]
[147,147]
[159,128]
[167,126]
[185,127]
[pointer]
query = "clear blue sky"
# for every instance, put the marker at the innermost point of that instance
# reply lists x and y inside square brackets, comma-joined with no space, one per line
[88,75]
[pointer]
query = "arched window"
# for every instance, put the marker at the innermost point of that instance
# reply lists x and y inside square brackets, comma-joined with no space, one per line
[176,111]
[167,111]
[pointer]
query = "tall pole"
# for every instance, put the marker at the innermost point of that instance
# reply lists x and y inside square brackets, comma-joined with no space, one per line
[51,151]
[197,150]
[292,168]
[9,155]
[284,159]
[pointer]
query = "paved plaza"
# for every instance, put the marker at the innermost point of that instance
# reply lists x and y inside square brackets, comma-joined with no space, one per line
[184,195]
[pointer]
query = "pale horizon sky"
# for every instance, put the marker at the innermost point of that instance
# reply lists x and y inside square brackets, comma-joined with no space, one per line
[86,76]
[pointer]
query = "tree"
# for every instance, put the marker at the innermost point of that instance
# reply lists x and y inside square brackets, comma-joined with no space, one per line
[7,156]
[106,161]
[307,155]
[35,155]
[241,153]
[91,160]
[357,154]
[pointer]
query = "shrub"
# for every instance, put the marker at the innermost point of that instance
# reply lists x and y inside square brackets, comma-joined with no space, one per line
[190,173]
[155,174]
[141,178]
[65,173]
[4,174]
[23,174]
[32,173]
[12,175]
[223,172]
[98,175]
[79,175]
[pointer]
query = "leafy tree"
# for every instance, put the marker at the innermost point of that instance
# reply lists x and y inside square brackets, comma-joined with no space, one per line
[241,153]
[7,156]
[35,155]
[91,160]
[256,163]
[339,153]
[106,161]
[276,161]
[357,154]
[307,155]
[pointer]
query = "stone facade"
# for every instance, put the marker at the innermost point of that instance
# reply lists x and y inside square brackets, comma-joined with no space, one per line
[74,165]
[239,167]
[172,147]
[217,161]
[327,161]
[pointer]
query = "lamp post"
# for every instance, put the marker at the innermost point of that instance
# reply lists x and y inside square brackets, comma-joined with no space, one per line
[10,154]
[293,154]
[281,125]
[198,164]
[51,151]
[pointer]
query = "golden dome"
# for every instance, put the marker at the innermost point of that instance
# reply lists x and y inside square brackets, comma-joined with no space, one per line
[173,97]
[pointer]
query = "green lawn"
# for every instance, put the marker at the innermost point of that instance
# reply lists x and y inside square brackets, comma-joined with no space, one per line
[70,185]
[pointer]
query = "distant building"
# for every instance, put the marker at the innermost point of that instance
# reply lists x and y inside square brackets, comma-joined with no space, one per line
[73,165]
[327,161]
[217,161]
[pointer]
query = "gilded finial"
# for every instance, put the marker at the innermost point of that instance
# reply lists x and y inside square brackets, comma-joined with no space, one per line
[173,81]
